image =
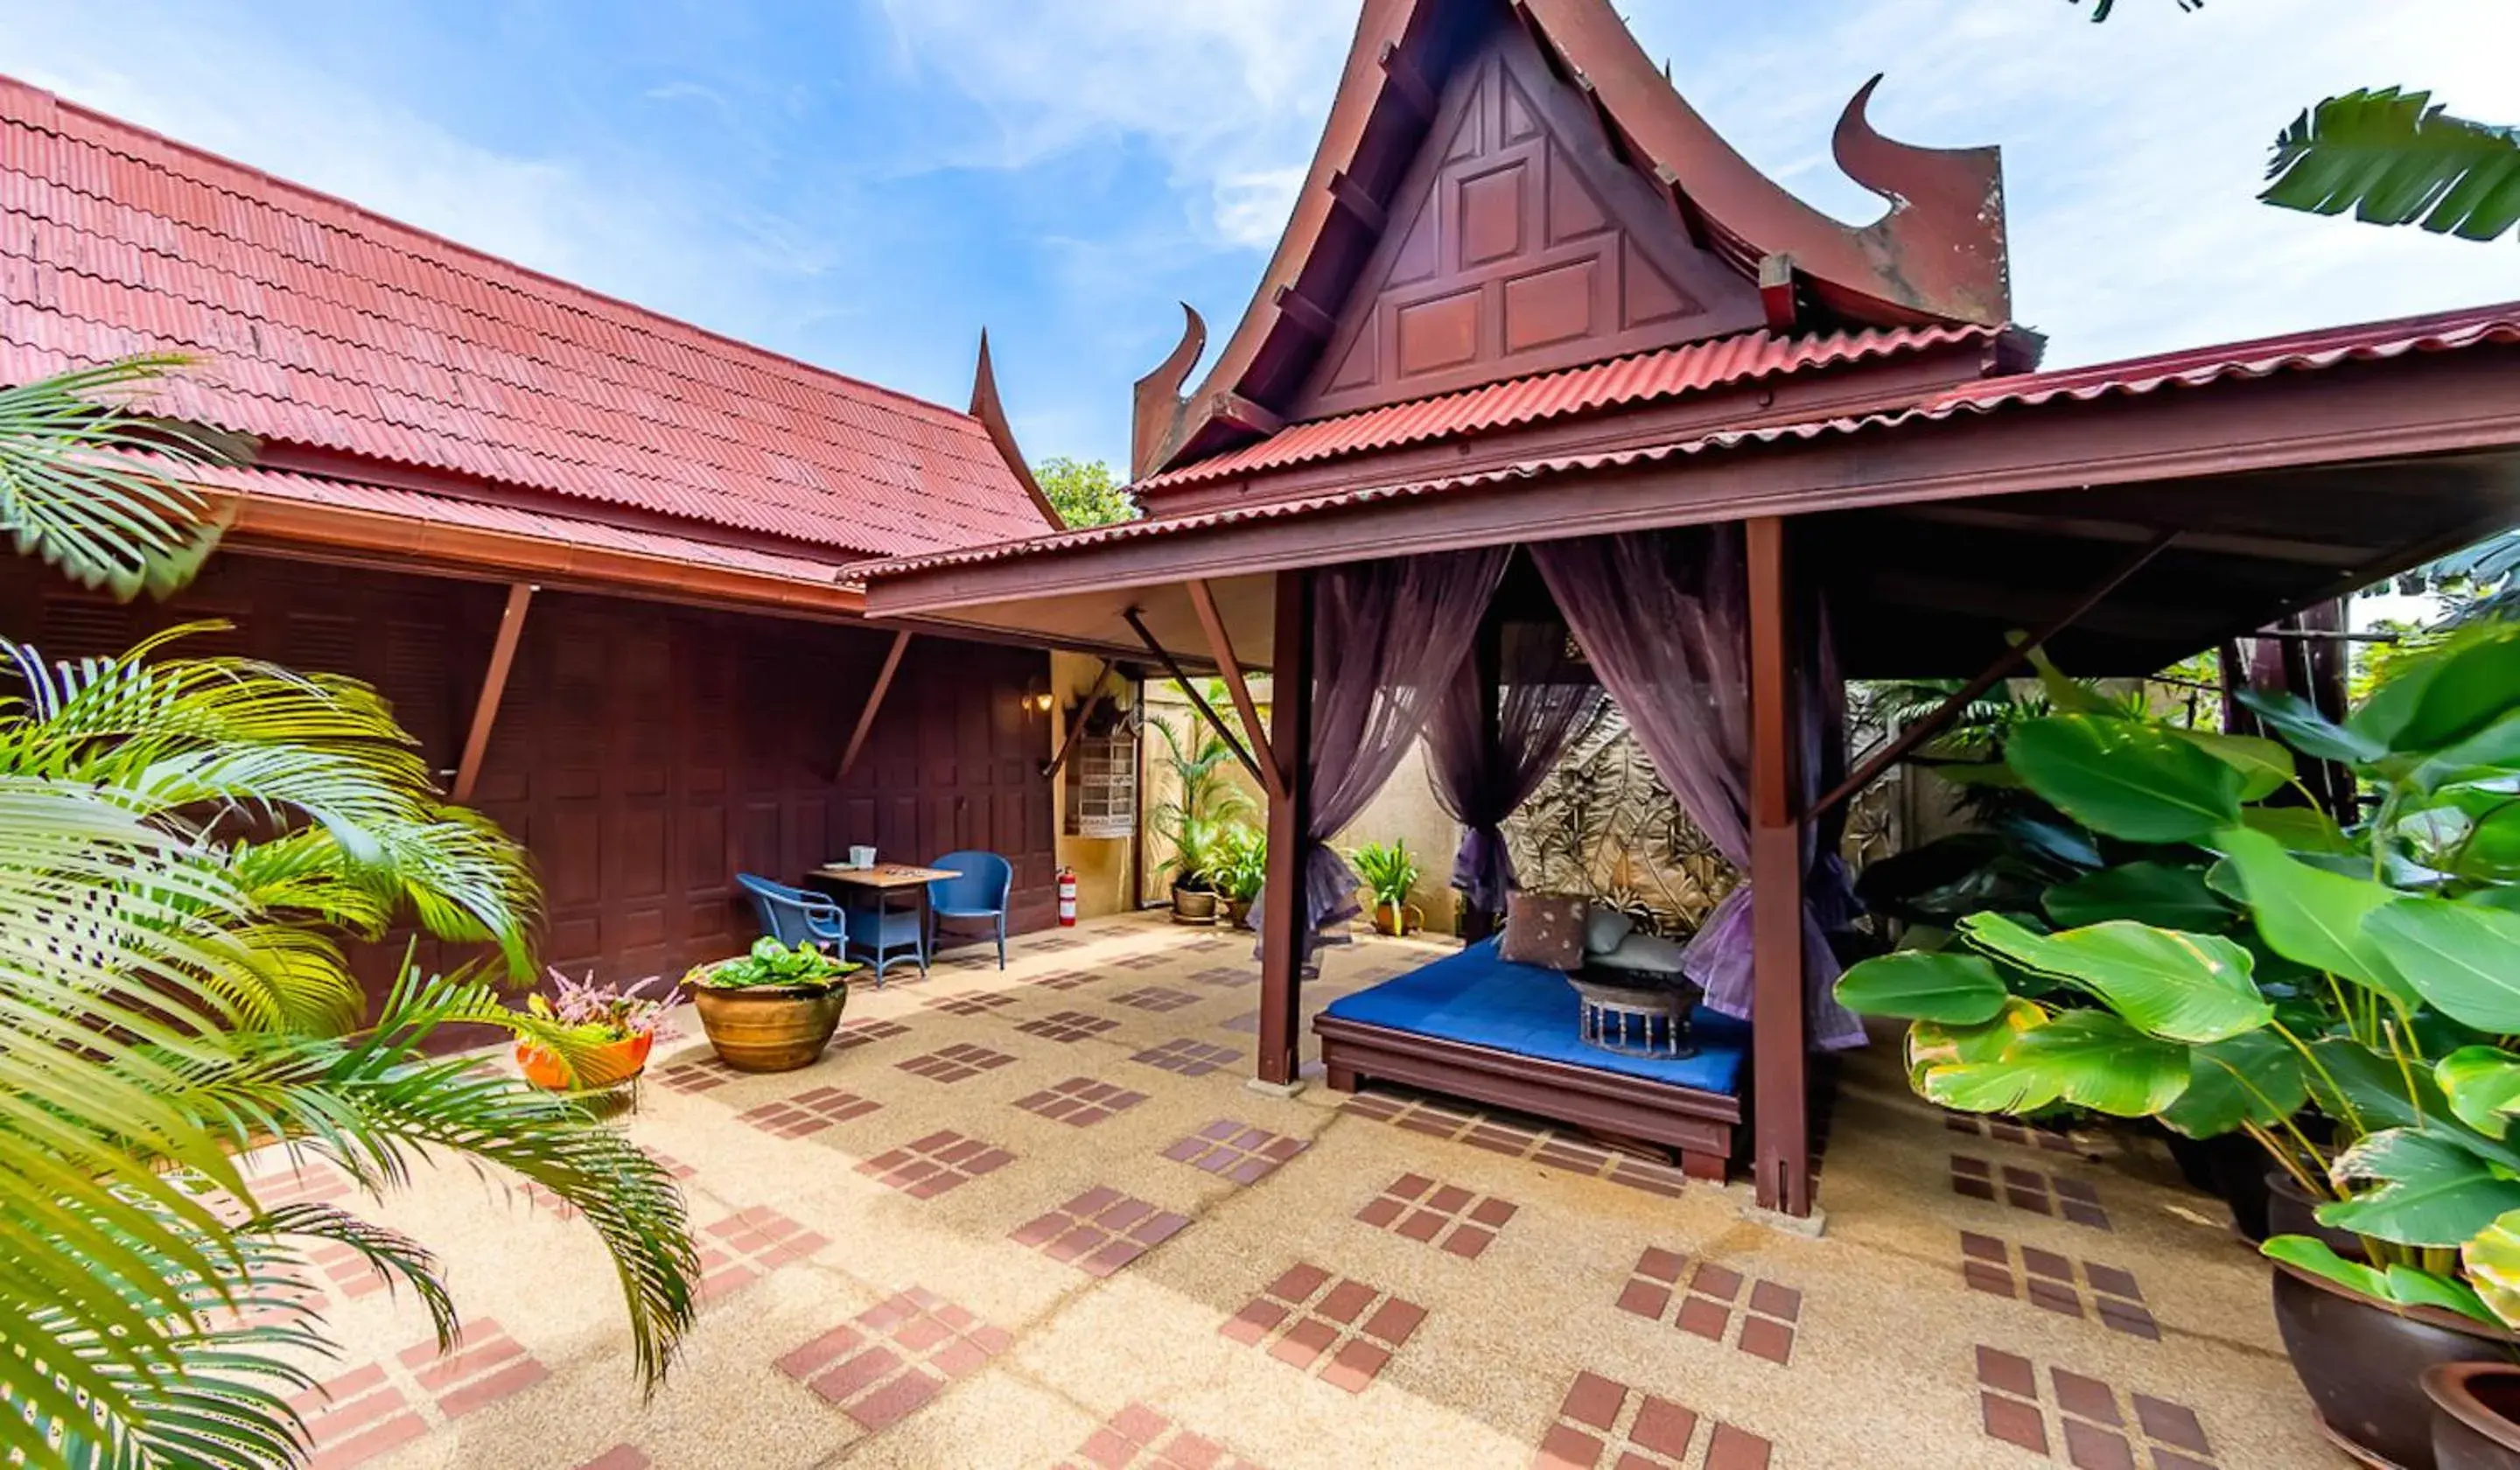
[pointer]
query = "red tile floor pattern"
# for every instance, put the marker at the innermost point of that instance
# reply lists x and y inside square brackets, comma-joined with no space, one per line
[1447,1217]
[1137,1437]
[698,1075]
[978,1003]
[2085,1289]
[1973,1178]
[1236,1150]
[867,1033]
[1603,1422]
[619,1457]
[2096,1427]
[889,1359]
[750,1244]
[808,1112]
[960,1062]
[1462,1122]
[1068,1027]
[1158,998]
[1768,1315]
[1338,1329]
[1064,979]
[1189,1058]
[930,1165]
[2007,1130]
[1100,1230]
[369,1410]
[1080,1101]
[539,1198]
[1227,976]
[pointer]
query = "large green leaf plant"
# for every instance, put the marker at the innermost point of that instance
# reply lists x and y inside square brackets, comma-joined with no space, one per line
[187,846]
[2232,959]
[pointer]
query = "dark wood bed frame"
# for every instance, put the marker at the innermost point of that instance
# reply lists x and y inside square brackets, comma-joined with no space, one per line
[1700,1125]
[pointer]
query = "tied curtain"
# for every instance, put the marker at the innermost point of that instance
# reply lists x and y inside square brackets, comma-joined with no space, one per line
[1663,616]
[1485,770]
[1388,637]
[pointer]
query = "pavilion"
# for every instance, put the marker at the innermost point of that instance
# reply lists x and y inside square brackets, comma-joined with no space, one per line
[1531,311]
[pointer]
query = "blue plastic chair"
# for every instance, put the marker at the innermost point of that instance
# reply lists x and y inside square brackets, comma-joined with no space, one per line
[979,893]
[793,917]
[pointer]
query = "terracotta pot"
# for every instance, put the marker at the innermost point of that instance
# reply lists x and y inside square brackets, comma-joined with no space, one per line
[2290,1211]
[769,1030]
[1194,905]
[1237,913]
[1408,918]
[2476,1415]
[611,1065]
[2363,1362]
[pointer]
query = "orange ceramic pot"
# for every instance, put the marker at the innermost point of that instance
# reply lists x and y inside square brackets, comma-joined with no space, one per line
[608,1066]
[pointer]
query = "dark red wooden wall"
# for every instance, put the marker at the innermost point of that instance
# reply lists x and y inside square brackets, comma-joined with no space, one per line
[645,753]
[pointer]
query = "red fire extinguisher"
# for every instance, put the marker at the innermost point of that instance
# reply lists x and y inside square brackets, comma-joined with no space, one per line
[1067,898]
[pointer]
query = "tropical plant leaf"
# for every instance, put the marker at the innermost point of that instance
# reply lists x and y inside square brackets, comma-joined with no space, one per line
[2089,1058]
[2308,730]
[2264,766]
[1932,1044]
[2319,1259]
[2412,1287]
[2483,1086]
[2179,987]
[2462,957]
[2312,916]
[2152,893]
[1962,990]
[2491,1257]
[2250,1078]
[2395,158]
[2430,1191]
[2126,778]
[2301,830]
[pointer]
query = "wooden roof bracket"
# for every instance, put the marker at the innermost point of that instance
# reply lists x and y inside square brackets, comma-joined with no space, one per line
[1076,728]
[1353,196]
[1777,296]
[874,701]
[1403,78]
[1221,646]
[494,688]
[1306,313]
[1940,718]
[1244,414]
[1197,700]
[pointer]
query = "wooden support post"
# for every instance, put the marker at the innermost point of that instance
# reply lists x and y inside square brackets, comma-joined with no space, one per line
[875,703]
[1221,646]
[1940,717]
[1281,907]
[1488,654]
[494,686]
[1781,1166]
[1084,712]
[1197,700]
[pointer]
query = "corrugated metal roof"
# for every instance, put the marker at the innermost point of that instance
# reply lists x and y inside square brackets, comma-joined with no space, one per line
[1642,378]
[482,516]
[2311,351]
[324,324]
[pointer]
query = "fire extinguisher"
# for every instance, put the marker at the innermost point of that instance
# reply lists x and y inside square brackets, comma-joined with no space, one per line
[1067,898]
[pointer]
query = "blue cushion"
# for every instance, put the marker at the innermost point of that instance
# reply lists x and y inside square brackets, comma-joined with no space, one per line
[1482,1000]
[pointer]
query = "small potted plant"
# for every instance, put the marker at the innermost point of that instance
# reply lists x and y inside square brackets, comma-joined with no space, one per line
[621,1024]
[1390,874]
[1241,866]
[1193,820]
[772,1008]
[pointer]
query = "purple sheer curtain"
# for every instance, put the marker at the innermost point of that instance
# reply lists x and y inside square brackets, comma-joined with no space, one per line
[1387,637]
[1664,618]
[1485,772]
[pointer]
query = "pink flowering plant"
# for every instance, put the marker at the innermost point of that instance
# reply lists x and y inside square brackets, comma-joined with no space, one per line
[645,1007]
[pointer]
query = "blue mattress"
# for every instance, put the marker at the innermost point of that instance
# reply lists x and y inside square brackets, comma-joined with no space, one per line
[1482,1000]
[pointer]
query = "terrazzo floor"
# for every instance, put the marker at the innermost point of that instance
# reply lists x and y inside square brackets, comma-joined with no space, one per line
[1034,1218]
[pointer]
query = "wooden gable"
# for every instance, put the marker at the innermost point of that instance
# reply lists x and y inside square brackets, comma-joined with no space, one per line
[1517,242]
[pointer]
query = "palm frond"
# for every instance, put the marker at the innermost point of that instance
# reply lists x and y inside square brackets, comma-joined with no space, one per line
[2395,158]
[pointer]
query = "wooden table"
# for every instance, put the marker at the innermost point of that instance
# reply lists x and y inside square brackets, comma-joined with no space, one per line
[879,928]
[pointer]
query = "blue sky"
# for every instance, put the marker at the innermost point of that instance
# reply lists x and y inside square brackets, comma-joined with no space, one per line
[866,183]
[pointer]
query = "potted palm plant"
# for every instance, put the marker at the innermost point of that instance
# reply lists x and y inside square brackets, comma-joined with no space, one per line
[618,1024]
[1390,874]
[772,1008]
[1239,867]
[1194,817]
[2336,993]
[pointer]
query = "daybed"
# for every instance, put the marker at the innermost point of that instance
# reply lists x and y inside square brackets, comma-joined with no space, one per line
[1482,1027]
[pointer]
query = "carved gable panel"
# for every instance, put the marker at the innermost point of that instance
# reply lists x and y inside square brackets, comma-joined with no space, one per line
[1518,243]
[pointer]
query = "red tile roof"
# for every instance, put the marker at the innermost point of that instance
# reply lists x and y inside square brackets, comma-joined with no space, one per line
[324,324]
[2498,323]
[1642,378]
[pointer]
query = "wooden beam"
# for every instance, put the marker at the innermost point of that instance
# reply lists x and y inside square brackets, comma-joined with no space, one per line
[1221,644]
[1780,1162]
[1940,718]
[1281,907]
[1242,413]
[1404,79]
[494,686]
[2135,533]
[1778,299]
[1198,701]
[1305,313]
[875,703]
[1351,195]
[1084,712]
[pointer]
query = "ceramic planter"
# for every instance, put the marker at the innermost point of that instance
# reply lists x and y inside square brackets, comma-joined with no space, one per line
[1194,905]
[2364,1361]
[2291,1211]
[1237,913]
[611,1065]
[2476,1415]
[1406,918]
[769,1030]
